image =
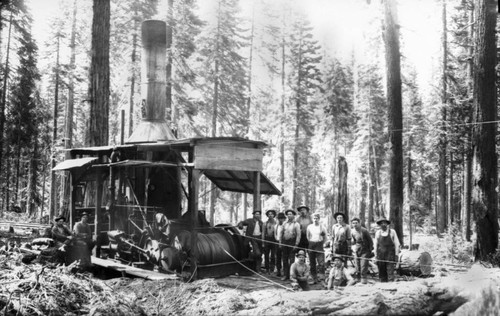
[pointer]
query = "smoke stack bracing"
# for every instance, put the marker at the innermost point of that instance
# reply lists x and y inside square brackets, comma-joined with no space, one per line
[153,126]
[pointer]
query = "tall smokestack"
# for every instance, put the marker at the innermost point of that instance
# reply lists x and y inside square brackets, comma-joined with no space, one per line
[153,126]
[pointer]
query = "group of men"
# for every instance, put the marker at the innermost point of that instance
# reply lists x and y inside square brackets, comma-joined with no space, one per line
[285,239]
[63,236]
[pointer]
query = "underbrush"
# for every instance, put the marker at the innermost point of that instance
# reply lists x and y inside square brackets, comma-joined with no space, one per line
[451,248]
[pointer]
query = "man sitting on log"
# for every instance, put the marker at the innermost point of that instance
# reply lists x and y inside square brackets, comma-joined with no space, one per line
[300,272]
[61,233]
[339,276]
[386,250]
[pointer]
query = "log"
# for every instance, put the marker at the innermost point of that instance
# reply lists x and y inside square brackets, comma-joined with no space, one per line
[415,263]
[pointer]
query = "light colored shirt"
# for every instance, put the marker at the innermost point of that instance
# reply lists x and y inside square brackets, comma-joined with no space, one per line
[299,271]
[256,230]
[314,233]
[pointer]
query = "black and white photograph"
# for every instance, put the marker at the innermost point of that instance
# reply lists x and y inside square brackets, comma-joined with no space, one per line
[249,157]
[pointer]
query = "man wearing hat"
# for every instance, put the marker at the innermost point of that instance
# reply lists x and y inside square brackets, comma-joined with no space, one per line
[270,242]
[254,232]
[289,240]
[341,236]
[362,248]
[83,231]
[386,249]
[279,250]
[304,220]
[60,233]
[339,276]
[299,272]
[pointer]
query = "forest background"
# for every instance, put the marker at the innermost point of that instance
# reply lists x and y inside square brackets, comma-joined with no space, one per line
[306,77]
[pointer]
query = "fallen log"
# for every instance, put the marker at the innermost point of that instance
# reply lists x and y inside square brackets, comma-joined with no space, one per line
[414,263]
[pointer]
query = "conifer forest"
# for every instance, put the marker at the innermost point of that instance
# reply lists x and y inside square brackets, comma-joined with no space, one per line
[371,108]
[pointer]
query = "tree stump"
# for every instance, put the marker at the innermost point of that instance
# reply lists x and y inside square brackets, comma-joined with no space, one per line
[415,263]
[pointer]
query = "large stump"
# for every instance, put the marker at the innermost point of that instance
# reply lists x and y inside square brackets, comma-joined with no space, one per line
[415,263]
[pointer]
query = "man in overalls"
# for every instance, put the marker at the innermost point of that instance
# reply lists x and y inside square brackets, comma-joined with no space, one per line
[386,248]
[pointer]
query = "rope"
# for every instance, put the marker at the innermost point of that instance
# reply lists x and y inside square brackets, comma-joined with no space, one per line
[347,256]
[260,275]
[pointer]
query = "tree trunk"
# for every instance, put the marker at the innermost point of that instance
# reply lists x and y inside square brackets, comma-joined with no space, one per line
[442,219]
[469,150]
[484,195]
[3,104]
[364,193]
[133,59]
[53,180]
[68,133]
[395,121]
[171,116]
[342,188]
[33,177]
[451,202]
[283,119]
[410,199]
[98,127]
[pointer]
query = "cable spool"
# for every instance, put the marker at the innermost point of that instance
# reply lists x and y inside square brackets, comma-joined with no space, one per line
[211,245]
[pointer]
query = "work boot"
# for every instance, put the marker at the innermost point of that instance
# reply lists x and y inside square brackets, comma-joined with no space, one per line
[278,273]
[364,281]
[284,278]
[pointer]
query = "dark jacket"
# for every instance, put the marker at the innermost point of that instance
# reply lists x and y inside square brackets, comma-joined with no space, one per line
[250,223]
[365,241]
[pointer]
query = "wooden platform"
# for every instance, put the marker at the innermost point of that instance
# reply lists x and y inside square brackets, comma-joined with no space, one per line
[137,272]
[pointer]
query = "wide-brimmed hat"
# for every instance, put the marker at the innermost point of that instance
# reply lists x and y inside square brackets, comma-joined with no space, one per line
[84,213]
[337,257]
[340,213]
[257,211]
[290,210]
[281,215]
[270,211]
[303,206]
[301,253]
[59,217]
[383,219]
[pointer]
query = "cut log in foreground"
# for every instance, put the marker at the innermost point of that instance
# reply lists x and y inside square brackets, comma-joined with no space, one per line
[415,263]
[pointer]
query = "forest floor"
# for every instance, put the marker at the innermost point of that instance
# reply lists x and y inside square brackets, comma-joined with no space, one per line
[452,288]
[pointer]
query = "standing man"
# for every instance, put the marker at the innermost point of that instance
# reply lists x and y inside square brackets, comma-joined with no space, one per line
[279,250]
[341,237]
[82,230]
[304,220]
[386,250]
[316,235]
[270,241]
[289,241]
[254,231]
[362,248]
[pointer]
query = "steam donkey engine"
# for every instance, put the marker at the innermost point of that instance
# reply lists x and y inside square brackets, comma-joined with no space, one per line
[142,196]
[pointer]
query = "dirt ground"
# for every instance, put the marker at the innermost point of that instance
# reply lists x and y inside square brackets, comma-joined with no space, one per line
[36,289]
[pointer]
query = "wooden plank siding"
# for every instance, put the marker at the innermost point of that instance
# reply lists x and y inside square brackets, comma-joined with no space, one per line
[220,157]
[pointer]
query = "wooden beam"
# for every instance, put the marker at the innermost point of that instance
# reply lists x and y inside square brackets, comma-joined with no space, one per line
[193,207]
[256,192]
